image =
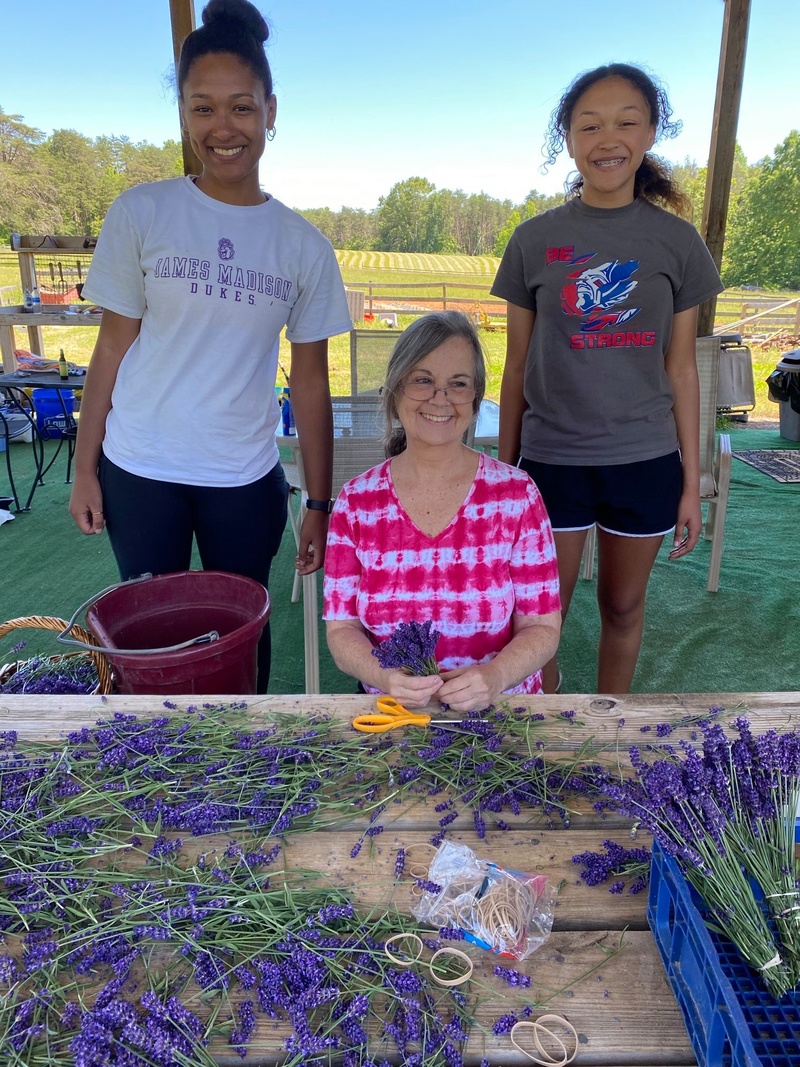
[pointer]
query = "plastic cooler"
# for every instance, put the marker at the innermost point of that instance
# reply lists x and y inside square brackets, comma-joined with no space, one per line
[50,418]
[14,426]
[731,1018]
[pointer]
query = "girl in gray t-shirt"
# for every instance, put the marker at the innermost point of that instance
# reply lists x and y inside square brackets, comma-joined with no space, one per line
[600,398]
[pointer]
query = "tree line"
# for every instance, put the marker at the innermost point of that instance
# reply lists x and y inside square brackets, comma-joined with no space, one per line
[65,182]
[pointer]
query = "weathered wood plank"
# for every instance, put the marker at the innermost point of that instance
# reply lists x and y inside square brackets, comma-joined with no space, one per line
[549,852]
[50,718]
[621,1007]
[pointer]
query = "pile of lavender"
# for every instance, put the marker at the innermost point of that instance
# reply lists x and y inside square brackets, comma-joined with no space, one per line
[145,916]
[45,676]
[725,809]
[629,867]
[411,648]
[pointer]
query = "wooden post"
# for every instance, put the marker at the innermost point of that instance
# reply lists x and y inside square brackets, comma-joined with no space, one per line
[723,141]
[444,296]
[181,14]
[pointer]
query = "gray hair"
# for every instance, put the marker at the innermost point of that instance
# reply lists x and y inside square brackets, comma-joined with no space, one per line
[417,341]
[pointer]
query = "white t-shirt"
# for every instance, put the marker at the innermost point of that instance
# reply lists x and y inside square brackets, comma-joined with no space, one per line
[214,284]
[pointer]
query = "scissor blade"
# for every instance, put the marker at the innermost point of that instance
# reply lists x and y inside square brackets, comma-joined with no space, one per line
[455,722]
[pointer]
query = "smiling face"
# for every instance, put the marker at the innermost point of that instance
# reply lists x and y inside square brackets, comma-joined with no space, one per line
[226,113]
[442,419]
[610,130]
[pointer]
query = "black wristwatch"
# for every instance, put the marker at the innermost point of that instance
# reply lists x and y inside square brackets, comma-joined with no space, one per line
[320,505]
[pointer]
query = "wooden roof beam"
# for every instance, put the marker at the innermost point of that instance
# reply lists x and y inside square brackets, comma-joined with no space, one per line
[181,14]
[723,142]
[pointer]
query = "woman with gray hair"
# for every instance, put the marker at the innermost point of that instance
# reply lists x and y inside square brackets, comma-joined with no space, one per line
[441,533]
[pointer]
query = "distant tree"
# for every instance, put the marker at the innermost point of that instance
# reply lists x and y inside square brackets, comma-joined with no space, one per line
[763,245]
[75,167]
[482,219]
[16,139]
[504,235]
[534,204]
[404,217]
[355,228]
[692,179]
[28,195]
[349,228]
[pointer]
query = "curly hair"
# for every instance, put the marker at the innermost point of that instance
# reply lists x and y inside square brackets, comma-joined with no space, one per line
[654,181]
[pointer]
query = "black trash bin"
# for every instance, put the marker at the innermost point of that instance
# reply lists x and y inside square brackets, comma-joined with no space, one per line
[784,389]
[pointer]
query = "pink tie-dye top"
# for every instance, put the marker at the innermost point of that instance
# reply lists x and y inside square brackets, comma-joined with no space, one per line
[496,559]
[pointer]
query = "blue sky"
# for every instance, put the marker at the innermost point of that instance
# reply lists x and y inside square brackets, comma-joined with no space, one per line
[370,92]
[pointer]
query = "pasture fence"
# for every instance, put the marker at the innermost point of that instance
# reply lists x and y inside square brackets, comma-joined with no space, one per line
[427,296]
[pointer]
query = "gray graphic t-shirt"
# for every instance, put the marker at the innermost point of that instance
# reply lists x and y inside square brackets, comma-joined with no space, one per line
[604,284]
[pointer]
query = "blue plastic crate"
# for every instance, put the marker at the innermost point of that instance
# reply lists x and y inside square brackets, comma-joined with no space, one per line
[731,1018]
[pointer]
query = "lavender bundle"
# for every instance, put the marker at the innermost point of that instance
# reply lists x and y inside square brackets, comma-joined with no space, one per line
[726,811]
[411,648]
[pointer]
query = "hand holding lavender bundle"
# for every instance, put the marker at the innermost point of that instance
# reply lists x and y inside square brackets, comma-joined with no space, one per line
[411,648]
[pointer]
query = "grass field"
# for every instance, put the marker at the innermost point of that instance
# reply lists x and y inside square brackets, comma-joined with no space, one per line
[380,268]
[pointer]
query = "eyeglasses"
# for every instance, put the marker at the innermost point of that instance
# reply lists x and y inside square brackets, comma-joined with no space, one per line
[421,387]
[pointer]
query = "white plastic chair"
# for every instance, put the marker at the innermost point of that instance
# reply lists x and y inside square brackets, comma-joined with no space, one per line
[357,446]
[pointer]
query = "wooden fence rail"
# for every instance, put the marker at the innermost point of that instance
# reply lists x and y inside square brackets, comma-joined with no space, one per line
[752,316]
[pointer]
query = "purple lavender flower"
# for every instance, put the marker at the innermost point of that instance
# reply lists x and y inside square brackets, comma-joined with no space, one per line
[411,648]
[505,1024]
[427,886]
[514,978]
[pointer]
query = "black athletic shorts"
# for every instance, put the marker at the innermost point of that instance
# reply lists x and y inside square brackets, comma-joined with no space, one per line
[630,499]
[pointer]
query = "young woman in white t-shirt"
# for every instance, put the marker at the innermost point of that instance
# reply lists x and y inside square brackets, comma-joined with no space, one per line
[197,277]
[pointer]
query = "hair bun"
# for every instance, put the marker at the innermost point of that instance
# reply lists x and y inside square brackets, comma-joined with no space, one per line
[240,11]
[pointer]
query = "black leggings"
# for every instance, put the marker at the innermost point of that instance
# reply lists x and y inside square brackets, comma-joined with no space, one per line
[151,525]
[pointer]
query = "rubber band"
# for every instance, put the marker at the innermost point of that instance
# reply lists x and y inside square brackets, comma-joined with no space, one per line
[788,893]
[454,953]
[788,911]
[537,1026]
[399,937]
[504,914]
[776,961]
[417,870]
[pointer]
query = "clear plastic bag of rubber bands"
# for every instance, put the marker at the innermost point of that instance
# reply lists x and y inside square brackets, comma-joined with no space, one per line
[507,912]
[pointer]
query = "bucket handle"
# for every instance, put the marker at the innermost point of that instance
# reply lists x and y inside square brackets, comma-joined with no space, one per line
[62,638]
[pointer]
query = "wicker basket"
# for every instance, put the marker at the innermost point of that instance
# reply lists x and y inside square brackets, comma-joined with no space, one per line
[48,622]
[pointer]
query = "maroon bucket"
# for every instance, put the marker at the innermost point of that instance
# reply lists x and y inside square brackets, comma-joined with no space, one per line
[216,617]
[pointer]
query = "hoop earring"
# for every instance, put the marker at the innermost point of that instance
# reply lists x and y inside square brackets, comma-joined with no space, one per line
[271,134]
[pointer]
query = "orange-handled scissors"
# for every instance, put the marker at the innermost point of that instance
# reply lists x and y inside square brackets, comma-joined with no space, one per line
[392,714]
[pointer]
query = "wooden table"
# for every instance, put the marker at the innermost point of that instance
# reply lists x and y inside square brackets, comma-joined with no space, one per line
[622,1007]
